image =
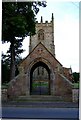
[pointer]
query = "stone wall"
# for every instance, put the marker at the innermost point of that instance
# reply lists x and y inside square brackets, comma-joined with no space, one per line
[17,87]
[63,87]
[4,94]
[75,95]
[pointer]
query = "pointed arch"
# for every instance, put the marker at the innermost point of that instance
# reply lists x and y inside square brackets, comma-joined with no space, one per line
[41,34]
[42,81]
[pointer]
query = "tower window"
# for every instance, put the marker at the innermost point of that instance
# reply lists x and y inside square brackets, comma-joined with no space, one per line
[41,34]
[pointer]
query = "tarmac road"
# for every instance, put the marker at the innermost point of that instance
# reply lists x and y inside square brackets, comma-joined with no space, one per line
[36,113]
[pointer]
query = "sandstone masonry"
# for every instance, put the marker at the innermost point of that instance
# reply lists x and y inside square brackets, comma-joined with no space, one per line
[41,66]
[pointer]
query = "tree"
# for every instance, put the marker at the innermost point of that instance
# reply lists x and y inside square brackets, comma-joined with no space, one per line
[6,67]
[18,20]
[5,70]
[76,77]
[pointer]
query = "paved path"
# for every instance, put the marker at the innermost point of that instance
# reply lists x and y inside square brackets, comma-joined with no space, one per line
[41,104]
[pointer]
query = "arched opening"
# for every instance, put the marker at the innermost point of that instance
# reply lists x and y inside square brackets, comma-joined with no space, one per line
[41,34]
[40,79]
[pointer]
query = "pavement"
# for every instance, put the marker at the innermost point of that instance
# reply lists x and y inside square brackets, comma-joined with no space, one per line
[39,104]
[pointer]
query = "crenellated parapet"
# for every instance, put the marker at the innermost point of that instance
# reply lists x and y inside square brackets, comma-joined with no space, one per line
[44,34]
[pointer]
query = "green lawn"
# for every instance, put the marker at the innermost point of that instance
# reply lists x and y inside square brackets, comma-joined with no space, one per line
[35,84]
[75,85]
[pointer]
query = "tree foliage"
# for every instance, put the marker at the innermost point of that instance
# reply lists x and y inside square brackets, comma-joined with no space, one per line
[76,77]
[18,21]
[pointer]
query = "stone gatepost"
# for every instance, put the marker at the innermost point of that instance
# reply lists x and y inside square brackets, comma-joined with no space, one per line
[52,81]
[75,94]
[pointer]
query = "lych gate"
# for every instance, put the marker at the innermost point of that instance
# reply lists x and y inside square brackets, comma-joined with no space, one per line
[40,79]
[40,73]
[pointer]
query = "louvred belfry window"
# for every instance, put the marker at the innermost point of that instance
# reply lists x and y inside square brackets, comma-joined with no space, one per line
[41,34]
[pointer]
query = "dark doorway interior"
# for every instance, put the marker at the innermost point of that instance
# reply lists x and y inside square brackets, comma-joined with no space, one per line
[40,79]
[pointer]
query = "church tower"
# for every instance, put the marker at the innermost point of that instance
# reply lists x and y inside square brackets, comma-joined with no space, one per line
[44,34]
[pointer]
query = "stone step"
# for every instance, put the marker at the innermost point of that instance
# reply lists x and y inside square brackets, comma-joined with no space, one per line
[40,98]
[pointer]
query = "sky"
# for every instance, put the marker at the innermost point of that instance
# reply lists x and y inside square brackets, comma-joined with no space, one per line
[66,32]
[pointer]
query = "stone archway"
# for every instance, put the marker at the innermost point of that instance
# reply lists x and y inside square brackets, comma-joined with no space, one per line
[40,79]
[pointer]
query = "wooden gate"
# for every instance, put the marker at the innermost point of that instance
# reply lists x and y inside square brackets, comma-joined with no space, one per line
[40,80]
[40,87]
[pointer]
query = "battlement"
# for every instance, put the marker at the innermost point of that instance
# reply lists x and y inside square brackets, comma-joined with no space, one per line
[41,21]
[44,34]
[46,21]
